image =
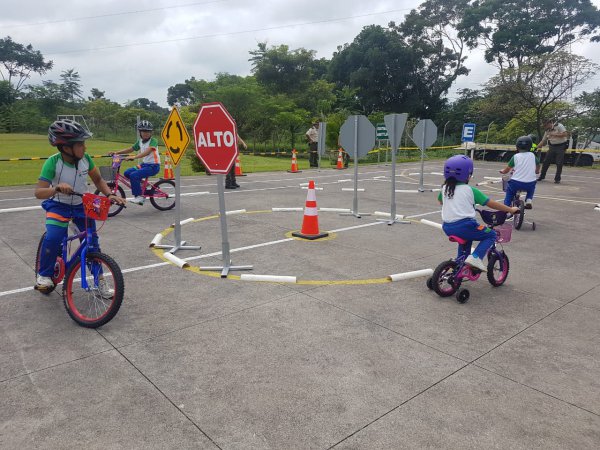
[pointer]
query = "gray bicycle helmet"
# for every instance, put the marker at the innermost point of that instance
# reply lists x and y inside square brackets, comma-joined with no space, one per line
[145,125]
[524,143]
[67,132]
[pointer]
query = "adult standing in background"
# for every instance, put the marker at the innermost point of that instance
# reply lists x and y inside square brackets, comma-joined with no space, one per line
[230,180]
[557,138]
[312,136]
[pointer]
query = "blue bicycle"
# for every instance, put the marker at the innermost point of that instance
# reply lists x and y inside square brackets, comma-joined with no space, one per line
[92,290]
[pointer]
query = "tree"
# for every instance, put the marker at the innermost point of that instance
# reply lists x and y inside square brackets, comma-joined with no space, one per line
[439,52]
[588,109]
[71,85]
[284,71]
[19,62]
[548,81]
[97,94]
[181,94]
[146,104]
[516,31]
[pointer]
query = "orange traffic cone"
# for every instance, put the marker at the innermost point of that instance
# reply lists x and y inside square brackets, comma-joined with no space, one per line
[238,167]
[168,169]
[340,161]
[294,168]
[310,223]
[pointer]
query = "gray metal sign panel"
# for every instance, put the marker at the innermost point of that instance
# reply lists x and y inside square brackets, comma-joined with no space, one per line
[395,124]
[357,134]
[424,133]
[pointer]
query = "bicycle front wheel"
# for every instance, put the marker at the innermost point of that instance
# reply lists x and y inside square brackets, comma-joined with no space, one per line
[100,302]
[497,268]
[519,218]
[115,208]
[163,195]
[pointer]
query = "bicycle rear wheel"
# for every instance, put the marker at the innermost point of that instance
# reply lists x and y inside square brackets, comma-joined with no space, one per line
[98,304]
[115,208]
[519,218]
[442,279]
[163,195]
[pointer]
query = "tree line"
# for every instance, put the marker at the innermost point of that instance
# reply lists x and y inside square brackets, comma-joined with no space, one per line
[404,67]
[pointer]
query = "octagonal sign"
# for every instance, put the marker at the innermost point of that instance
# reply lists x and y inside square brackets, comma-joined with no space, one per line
[215,135]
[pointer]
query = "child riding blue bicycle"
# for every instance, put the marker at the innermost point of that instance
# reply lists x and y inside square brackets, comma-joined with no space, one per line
[63,174]
[525,166]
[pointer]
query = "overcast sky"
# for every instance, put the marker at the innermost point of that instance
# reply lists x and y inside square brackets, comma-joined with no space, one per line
[138,49]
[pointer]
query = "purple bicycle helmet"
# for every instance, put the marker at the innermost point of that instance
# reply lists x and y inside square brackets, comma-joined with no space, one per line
[459,167]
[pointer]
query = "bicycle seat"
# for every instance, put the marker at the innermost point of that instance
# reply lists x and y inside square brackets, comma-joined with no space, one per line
[457,239]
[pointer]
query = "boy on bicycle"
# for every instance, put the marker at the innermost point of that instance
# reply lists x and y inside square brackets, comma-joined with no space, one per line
[526,166]
[147,148]
[62,174]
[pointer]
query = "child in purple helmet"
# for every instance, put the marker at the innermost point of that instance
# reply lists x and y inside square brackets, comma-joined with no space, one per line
[458,201]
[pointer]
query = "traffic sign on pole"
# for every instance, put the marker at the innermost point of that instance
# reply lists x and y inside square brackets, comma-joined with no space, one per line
[468,132]
[357,135]
[424,133]
[215,134]
[175,136]
[382,132]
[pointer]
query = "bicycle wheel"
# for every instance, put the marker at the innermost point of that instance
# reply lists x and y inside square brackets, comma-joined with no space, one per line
[115,208]
[497,268]
[519,218]
[163,195]
[442,279]
[98,304]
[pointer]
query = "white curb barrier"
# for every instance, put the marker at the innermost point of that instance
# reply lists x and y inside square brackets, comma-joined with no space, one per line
[386,214]
[493,178]
[189,194]
[339,210]
[273,278]
[351,189]
[156,240]
[236,211]
[316,189]
[431,224]
[183,222]
[175,260]
[286,209]
[409,275]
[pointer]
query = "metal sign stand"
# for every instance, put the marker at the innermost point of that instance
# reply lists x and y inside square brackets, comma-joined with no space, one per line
[395,125]
[424,135]
[179,244]
[354,211]
[226,267]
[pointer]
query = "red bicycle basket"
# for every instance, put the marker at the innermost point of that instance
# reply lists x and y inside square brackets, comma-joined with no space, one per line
[95,206]
[503,233]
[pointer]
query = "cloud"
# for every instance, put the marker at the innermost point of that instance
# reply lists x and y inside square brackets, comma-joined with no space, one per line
[140,49]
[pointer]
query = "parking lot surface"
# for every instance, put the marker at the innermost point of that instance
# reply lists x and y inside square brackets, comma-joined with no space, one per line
[341,359]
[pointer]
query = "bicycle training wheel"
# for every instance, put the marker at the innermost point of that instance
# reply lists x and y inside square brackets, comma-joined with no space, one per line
[519,218]
[115,208]
[442,279]
[163,195]
[100,302]
[497,268]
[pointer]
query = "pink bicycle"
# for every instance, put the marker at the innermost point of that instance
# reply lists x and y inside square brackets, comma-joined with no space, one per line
[161,193]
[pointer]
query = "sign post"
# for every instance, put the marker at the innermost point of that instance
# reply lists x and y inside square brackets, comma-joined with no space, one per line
[357,136]
[215,135]
[424,135]
[468,135]
[176,139]
[321,145]
[395,124]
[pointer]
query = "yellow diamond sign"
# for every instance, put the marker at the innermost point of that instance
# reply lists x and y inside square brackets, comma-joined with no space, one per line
[175,136]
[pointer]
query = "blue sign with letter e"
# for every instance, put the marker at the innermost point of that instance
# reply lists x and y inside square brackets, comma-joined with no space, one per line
[468,133]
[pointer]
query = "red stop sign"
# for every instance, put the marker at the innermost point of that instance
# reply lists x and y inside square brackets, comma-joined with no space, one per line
[215,135]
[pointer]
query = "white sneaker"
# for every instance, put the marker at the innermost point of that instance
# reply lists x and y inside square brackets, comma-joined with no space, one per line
[44,282]
[139,200]
[104,289]
[476,263]
[528,204]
